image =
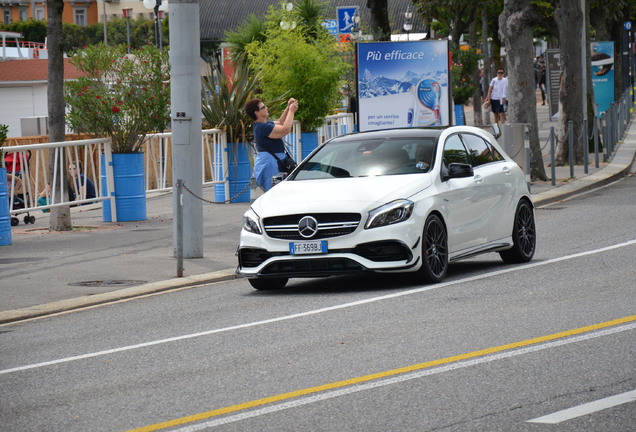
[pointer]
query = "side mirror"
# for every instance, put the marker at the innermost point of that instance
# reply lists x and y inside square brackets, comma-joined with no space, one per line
[278,178]
[460,170]
[496,131]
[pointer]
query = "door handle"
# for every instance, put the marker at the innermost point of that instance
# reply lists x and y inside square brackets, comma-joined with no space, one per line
[506,170]
[479,179]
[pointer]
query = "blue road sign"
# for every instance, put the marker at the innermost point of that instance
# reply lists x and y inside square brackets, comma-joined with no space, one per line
[345,18]
[331,25]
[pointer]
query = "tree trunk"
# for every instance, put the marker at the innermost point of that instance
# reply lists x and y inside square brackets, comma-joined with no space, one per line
[380,19]
[60,218]
[516,24]
[569,18]
[477,119]
[591,109]
[485,78]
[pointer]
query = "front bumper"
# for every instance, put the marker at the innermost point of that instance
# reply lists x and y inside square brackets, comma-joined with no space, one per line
[381,255]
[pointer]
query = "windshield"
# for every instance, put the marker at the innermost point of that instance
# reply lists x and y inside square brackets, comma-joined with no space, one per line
[369,157]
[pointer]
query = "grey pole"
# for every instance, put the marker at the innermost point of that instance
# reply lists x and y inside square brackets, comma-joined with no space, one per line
[186,120]
[179,220]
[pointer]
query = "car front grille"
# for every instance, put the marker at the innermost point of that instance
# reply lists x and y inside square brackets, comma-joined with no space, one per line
[329,225]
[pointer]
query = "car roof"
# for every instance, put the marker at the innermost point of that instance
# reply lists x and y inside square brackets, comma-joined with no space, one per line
[412,132]
[397,133]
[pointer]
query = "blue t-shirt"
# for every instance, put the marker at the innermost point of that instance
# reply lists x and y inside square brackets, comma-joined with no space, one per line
[263,141]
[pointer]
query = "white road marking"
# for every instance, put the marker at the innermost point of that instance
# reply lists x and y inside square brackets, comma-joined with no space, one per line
[319,311]
[405,377]
[586,408]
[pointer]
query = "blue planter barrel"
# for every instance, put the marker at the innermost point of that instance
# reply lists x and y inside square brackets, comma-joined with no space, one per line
[239,174]
[5,215]
[460,119]
[130,187]
[309,141]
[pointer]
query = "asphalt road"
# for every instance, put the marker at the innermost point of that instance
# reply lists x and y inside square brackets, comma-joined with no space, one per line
[493,348]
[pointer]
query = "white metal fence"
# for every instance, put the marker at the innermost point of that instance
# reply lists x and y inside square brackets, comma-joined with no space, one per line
[28,182]
[28,174]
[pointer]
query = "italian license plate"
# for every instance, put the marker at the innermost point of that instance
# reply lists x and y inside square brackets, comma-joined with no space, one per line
[308,247]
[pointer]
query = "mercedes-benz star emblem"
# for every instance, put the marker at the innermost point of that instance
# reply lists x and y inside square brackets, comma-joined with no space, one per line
[307,227]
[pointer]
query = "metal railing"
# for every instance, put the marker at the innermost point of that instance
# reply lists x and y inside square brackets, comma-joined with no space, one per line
[336,125]
[609,129]
[28,180]
[29,174]
[614,121]
[31,181]
[158,159]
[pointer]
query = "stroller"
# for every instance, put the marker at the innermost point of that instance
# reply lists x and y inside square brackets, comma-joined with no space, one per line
[14,164]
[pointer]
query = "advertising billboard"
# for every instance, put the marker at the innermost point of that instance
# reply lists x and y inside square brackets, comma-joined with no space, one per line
[602,59]
[403,84]
[553,81]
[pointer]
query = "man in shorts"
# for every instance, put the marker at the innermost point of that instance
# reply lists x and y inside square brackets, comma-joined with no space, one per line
[498,96]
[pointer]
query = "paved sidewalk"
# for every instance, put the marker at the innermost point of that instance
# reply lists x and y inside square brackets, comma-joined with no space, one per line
[44,272]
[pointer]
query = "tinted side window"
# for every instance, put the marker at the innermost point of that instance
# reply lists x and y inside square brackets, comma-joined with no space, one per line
[454,151]
[495,153]
[479,149]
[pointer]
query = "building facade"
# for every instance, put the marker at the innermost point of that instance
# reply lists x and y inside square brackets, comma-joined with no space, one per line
[82,13]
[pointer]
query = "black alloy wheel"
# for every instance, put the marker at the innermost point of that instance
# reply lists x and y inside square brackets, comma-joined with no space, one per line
[524,236]
[434,251]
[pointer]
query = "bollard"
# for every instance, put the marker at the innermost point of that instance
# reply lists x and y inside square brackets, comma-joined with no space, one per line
[586,148]
[595,128]
[571,146]
[179,223]
[605,137]
[552,156]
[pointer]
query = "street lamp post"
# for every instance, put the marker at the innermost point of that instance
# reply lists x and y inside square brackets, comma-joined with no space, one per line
[155,5]
[356,31]
[127,15]
[105,24]
[160,27]
[288,25]
[408,26]
[157,36]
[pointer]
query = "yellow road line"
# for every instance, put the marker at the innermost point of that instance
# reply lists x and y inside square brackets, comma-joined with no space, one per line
[385,374]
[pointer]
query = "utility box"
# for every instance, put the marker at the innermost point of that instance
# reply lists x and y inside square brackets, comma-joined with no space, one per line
[34,126]
[516,144]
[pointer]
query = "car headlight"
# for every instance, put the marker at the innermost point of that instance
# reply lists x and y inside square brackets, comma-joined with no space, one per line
[391,213]
[251,222]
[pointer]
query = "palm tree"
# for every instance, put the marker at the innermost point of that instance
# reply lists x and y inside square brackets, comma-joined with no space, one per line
[252,29]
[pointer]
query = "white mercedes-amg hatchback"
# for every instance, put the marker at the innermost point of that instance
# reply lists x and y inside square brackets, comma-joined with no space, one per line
[400,200]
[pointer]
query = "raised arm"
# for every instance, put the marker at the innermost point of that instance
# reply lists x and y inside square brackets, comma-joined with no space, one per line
[283,126]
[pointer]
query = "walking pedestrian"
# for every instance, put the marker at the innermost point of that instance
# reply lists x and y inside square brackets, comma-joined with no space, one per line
[498,96]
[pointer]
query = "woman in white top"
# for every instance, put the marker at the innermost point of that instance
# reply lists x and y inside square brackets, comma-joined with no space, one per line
[498,95]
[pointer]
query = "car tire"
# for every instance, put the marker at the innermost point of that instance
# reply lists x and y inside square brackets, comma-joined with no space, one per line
[267,284]
[524,236]
[434,251]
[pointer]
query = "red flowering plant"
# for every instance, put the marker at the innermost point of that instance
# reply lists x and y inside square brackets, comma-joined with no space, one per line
[465,62]
[121,96]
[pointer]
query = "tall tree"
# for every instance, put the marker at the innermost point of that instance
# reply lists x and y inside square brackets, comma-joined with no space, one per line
[516,24]
[455,16]
[60,219]
[380,19]
[569,18]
